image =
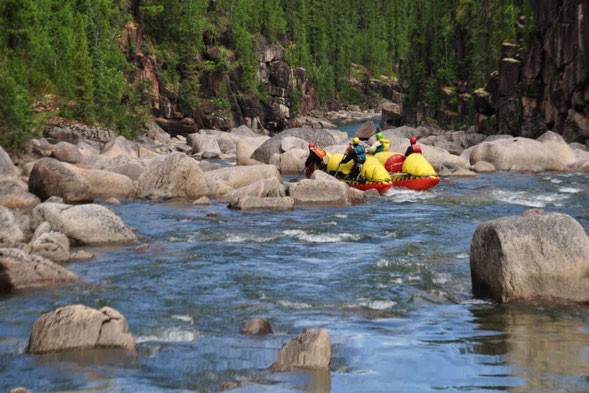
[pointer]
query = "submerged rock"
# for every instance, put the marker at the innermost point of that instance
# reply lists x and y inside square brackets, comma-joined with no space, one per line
[257,326]
[311,349]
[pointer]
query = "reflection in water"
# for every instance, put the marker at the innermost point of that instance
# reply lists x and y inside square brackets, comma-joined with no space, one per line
[542,351]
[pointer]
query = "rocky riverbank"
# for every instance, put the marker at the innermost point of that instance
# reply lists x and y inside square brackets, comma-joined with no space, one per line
[53,204]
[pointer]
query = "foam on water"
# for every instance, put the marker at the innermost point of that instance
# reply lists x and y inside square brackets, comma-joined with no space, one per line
[248,238]
[442,278]
[295,305]
[321,238]
[184,318]
[400,195]
[462,255]
[171,335]
[377,304]
[570,190]
[528,199]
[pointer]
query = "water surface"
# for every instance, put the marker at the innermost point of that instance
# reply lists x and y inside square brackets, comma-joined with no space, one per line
[390,281]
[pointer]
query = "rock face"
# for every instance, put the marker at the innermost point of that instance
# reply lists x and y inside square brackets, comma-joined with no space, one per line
[311,349]
[18,269]
[84,224]
[546,89]
[79,327]
[541,256]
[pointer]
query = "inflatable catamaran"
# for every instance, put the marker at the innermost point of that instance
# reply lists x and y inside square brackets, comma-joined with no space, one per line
[385,170]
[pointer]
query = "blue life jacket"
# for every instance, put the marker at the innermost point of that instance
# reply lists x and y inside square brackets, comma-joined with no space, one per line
[360,153]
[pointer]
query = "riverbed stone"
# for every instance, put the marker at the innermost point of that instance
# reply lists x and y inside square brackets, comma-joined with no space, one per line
[245,147]
[20,269]
[532,257]
[50,177]
[257,203]
[105,184]
[293,161]
[310,350]
[264,188]
[257,327]
[88,224]
[204,144]
[78,327]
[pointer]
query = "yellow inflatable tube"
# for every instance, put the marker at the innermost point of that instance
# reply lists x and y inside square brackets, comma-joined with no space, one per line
[372,170]
[416,165]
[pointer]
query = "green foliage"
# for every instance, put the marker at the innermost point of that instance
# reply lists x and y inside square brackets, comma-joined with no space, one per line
[69,48]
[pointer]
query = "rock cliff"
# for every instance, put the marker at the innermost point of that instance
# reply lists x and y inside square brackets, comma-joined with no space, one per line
[547,87]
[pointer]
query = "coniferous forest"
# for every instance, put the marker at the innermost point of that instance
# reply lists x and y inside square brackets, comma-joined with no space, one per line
[69,49]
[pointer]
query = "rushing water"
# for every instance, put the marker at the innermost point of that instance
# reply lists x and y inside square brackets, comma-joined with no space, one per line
[390,281]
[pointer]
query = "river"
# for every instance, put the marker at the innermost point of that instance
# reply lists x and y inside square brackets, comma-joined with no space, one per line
[389,280]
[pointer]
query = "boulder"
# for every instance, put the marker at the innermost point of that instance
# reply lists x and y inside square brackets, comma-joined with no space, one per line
[391,116]
[104,184]
[120,146]
[257,326]
[13,196]
[522,154]
[155,132]
[50,177]
[7,168]
[204,144]
[320,192]
[310,350]
[19,269]
[274,144]
[221,180]
[271,187]
[52,245]
[174,175]
[292,142]
[483,166]
[245,148]
[78,327]
[84,224]
[66,152]
[133,168]
[257,203]
[542,256]
[10,232]
[293,161]
[227,142]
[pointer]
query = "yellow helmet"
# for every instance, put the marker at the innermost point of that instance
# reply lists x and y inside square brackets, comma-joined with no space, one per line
[356,140]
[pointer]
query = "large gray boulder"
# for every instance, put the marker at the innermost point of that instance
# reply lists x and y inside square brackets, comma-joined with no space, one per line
[80,327]
[120,146]
[174,175]
[88,224]
[542,256]
[19,269]
[271,187]
[549,153]
[245,147]
[50,177]
[310,350]
[274,145]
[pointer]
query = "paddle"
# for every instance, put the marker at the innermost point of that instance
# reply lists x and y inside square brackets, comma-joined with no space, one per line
[299,176]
